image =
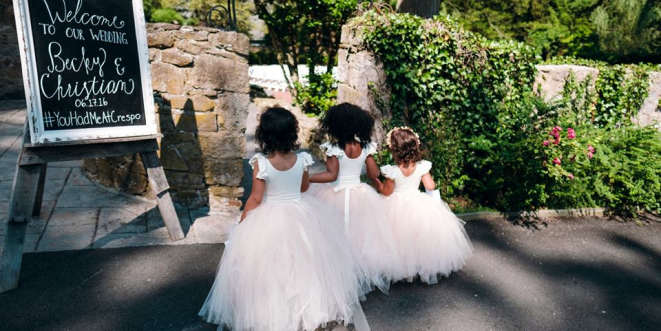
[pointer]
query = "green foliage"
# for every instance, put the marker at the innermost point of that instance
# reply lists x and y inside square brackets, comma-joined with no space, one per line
[167,15]
[459,91]
[193,12]
[497,144]
[614,31]
[318,95]
[305,32]
[623,174]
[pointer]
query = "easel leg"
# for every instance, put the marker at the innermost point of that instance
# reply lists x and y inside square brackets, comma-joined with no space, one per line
[38,200]
[24,192]
[159,185]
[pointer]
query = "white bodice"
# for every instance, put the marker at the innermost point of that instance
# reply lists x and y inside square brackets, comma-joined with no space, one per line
[282,186]
[350,169]
[409,183]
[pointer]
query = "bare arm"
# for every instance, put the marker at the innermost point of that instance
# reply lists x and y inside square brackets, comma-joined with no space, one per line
[256,195]
[388,187]
[305,184]
[373,171]
[428,182]
[330,175]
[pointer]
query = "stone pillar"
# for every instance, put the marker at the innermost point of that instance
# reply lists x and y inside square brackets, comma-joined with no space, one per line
[361,78]
[11,76]
[200,80]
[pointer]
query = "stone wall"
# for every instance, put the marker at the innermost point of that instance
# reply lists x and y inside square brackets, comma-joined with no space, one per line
[551,78]
[11,76]
[359,74]
[200,80]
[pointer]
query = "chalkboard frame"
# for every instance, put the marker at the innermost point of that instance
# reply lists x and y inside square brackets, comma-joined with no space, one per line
[39,136]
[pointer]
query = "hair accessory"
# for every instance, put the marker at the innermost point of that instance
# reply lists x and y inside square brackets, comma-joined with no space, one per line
[397,128]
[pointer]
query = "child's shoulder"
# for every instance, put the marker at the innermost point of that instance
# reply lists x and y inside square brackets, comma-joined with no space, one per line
[390,171]
[306,158]
[424,166]
[332,149]
[259,159]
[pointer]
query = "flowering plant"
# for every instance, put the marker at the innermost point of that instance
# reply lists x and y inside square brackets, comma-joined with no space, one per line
[563,154]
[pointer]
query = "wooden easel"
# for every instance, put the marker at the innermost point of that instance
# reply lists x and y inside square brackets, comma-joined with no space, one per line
[30,177]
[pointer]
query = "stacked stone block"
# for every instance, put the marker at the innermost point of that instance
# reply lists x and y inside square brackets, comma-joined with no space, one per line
[200,80]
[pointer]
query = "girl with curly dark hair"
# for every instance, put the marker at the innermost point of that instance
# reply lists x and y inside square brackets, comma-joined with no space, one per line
[287,265]
[431,240]
[348,152]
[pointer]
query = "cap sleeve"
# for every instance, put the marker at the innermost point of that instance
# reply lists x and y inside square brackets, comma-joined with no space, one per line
[331,149]
[424,166]
[260,159]
[307,160]
[388,171]
[371,148]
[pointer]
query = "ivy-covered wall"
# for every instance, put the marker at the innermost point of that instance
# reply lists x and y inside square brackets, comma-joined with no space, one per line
[360,75]
[502,130]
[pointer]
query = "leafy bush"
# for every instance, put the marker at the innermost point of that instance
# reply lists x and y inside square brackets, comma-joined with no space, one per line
[167,15]
[496,143]
[318,95]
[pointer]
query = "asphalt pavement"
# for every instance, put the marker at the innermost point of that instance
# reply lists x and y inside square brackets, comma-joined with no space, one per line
[577,274]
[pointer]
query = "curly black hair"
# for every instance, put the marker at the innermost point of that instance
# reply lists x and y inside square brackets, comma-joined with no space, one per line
[346,121]
[405,147]
[277,131]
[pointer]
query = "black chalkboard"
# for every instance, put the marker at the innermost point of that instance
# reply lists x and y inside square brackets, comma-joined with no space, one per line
[87,63]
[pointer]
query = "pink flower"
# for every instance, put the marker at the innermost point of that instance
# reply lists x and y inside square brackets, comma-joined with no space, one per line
[546,143]
[556,132]
[571,134]
[590,151]
[557,161]
[557,140]
[571,176]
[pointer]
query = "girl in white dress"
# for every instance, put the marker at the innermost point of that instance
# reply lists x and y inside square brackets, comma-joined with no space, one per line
[431,240]
[288,267]
[363,211]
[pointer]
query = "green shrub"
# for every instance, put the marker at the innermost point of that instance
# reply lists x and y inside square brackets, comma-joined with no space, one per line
[494,142]
[318,95]
[166,15]
[169,15]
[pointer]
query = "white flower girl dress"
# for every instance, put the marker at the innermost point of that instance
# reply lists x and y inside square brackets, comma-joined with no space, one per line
[364,217]
[289,266]
[431,240]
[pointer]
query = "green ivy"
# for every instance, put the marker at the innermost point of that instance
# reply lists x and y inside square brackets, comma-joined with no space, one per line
[460,91]
[492,139]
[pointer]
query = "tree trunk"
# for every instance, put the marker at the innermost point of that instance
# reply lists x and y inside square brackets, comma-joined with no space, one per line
[422,8]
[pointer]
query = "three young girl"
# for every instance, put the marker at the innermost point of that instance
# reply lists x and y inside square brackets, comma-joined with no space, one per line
[297,261]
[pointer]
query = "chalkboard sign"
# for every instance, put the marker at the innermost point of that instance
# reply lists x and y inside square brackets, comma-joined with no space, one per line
[86,69]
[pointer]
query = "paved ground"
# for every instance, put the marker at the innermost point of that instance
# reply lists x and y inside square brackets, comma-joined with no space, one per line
[581,274]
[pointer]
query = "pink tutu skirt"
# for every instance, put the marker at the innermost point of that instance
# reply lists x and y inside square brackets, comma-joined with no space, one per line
[431,240]
[366,224]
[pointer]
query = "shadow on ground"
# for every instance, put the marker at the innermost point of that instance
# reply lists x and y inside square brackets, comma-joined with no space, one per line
[580,274]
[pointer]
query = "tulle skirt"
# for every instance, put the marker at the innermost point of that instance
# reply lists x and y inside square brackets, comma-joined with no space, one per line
[286,267]
[367,226]
[431,240]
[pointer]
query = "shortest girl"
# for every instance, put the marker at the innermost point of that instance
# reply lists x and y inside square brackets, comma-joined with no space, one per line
[431,240]
[289,266]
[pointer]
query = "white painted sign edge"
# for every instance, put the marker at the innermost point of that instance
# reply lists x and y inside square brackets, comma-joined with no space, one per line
[32,92]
